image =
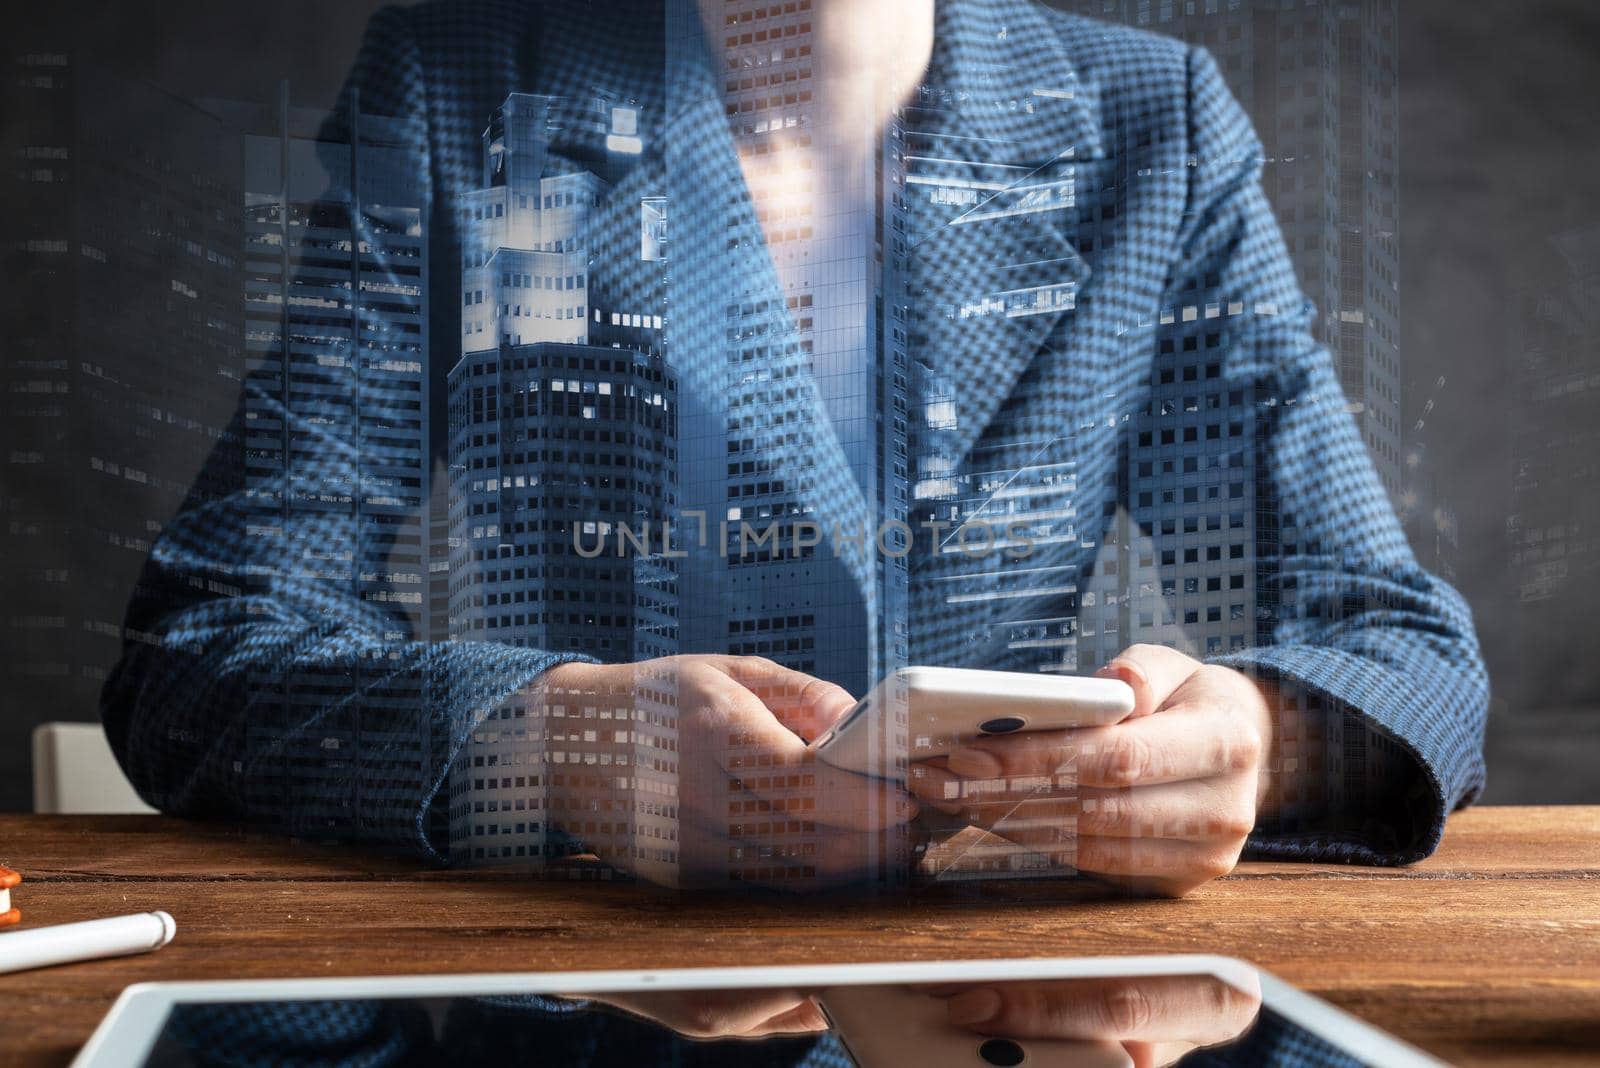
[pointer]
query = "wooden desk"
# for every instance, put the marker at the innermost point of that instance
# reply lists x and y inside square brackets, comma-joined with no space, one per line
[1488,953]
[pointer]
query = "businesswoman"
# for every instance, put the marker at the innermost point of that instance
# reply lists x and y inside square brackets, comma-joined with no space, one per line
[1096,283]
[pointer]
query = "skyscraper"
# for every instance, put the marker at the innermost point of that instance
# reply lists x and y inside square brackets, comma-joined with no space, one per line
[1187,554]
[336,308]
[1319,82]
[996,581]
[812,359]
[562,445]
[800,375]
[120,366]
[1319,79]
[1552,529]
[1007,512]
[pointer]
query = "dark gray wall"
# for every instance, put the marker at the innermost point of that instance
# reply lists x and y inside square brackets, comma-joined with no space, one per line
[167,53]
[1501,152]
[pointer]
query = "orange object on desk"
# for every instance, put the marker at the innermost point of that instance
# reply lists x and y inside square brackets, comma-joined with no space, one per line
[8,915]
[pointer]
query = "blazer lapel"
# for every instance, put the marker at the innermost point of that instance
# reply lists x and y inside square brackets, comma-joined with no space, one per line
[1003,124]
[995,142]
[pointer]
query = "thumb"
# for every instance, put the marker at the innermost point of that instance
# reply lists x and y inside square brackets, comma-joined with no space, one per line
[1152,671]
[805,704]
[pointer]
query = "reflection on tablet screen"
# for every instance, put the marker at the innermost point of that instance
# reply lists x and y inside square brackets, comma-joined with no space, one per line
[1051,1023]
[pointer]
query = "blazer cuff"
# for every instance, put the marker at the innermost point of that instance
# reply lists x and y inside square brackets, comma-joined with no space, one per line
[1419,761]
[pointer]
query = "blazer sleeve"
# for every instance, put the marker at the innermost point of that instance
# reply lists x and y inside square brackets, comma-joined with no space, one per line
[260,680]
[1378,654]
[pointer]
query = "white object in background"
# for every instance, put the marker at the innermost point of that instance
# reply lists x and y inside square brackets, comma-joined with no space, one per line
[63,943]
[75,773]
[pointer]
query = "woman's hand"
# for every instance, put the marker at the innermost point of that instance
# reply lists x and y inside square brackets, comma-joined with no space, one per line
[1159,803]
[750,797]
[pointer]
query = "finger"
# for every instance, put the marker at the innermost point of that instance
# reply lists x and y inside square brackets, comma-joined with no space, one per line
[804,1018]
[1157,1054]
[1153,671]
[763,757]
[804,703]
[1196,741]
[1202,1010]
[708,1014]
[1200,808]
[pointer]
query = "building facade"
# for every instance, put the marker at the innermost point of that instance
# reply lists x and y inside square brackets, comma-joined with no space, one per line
[795,428]
[563,418]
[1188,564]
[335,255]
[1320,81]
[1551,532]
[120,367]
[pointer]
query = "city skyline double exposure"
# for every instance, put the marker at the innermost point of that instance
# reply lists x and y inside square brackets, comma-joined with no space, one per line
[897,406]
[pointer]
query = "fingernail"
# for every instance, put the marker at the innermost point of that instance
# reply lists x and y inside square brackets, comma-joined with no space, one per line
[1125,669]
[973,1007]
[974,764]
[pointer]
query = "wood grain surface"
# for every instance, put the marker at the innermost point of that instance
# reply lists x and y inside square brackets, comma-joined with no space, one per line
[1486,954]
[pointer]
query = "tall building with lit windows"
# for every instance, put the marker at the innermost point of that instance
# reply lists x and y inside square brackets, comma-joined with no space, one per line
[119,368]
[1554,420]
[822,332]
[1189,562]
[617,379]
[335,256]
[1320,81]
[562,449]
[1010,484]
[795,450]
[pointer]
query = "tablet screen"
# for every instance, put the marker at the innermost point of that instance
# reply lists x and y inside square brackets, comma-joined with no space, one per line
[1086,1023]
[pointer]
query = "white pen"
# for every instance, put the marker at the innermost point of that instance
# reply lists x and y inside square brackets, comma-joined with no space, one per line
[63,943]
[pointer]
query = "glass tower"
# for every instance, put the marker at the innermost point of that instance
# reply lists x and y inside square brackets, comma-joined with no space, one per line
[563,468]
[336,308]
[123,278]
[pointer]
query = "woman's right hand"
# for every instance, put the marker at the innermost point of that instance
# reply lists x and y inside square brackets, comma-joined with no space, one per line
[753,805]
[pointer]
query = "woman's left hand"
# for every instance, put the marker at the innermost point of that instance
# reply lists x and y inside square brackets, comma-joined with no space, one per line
[1159,803]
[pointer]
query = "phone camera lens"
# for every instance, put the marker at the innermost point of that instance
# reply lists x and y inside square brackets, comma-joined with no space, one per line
[1002,1053]
[1002,725]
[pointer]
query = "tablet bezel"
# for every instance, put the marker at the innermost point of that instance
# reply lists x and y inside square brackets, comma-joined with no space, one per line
[131,1026]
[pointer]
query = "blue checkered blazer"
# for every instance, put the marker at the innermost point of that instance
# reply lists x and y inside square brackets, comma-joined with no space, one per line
[223,622]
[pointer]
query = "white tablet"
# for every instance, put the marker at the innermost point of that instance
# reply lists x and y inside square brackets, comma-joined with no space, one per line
[943,708]
[1042,1013]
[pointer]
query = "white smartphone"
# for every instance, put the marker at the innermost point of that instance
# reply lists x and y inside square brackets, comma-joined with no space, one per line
[945,707]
